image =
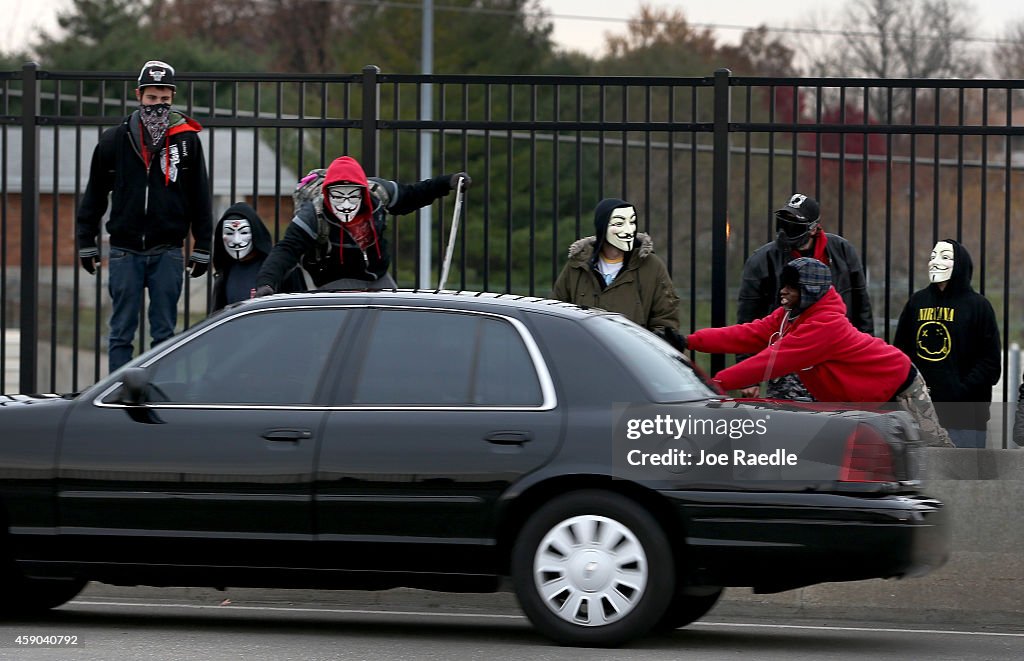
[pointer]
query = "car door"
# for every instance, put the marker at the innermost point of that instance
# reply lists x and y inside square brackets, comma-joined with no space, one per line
[217,468]
[439,412]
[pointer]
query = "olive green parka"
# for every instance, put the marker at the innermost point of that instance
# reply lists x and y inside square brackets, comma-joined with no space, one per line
[642,291]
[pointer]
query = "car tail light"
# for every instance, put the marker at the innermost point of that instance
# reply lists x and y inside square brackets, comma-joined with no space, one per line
[868,458]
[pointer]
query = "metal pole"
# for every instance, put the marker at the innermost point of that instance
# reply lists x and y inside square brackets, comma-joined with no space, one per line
[426,143]
[1012,385]
[29,357]
[371,113]
[720,208]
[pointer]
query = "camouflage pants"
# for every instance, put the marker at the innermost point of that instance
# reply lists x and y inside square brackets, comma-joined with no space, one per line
[788,386]
[914,399]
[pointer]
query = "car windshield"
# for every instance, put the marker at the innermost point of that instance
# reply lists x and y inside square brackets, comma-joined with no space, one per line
[663,371]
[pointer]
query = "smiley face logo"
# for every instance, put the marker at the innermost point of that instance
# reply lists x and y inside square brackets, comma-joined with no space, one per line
[933,341]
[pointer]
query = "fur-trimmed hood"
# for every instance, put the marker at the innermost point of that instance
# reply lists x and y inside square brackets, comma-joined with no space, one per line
[642,291]
[582,251]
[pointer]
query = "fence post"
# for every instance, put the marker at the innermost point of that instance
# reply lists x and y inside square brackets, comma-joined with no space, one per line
[29,350]
[371,112]
[1012,380]
[720,207]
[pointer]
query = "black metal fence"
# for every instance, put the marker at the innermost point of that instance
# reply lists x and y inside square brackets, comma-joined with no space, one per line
[897,164]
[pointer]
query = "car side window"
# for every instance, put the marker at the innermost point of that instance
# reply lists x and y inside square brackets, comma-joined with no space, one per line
[439,358]
[269,357]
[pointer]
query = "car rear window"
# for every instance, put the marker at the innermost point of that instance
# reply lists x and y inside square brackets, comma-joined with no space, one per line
[442,358]
[662,371]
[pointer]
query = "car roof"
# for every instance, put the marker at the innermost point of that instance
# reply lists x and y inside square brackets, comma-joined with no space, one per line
[462,300]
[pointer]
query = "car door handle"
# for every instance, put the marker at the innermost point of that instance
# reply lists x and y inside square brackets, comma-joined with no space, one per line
[287,434]
[509,437]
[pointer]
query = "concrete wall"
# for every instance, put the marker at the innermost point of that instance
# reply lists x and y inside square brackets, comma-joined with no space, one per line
[983,582]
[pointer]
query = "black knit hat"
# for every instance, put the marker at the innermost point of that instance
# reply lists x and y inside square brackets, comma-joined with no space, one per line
[156,74]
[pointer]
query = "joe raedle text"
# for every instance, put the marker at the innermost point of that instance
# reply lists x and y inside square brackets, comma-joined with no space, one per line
[778,457]
[709,446]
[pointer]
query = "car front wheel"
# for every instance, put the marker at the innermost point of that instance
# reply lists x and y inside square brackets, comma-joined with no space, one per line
[688,606]
[593,568]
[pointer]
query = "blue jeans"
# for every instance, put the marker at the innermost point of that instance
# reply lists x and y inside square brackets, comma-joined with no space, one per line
[130,274]
[967,438]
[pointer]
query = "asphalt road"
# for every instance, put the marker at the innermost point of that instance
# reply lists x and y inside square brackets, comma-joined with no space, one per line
[106,628]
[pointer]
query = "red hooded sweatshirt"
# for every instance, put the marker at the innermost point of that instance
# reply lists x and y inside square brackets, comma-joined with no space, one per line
[837,362]
[346,169]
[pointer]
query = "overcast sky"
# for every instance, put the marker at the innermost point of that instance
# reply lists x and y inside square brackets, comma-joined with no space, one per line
[22,17]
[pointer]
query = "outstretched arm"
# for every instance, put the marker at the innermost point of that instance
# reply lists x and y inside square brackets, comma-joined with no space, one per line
[740,338]
[802,348]
[410,197]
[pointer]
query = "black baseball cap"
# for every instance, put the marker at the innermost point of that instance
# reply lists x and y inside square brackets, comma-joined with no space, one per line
[800,208]
[156,73]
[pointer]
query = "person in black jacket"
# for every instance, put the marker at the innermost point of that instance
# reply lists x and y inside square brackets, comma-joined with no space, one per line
[241,245]
[153,167]
[799,234]
[950,332]
[339,236]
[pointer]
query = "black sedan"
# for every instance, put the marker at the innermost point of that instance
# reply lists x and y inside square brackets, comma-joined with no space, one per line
[447,441]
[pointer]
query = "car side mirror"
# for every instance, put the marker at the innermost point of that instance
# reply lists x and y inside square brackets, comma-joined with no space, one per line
[134,385]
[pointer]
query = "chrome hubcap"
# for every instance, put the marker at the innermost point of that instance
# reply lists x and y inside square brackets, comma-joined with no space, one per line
[590,570]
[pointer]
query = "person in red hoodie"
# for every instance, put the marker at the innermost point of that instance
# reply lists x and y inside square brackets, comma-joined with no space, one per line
[339,236]
[799,233]
[810,334]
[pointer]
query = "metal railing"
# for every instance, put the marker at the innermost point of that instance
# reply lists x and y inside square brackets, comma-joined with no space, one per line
[896,164]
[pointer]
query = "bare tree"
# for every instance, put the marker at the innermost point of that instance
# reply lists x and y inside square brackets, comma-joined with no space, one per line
[901,39]
[1008,56]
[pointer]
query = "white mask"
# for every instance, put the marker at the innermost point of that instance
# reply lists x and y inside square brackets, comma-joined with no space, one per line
[940,267]
[622,228]
[237,236]
[346,200]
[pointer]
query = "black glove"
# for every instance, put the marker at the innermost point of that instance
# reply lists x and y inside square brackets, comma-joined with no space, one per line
[90,264]
[676,340]
[307,211]
[454,181]
[264,290]
[197,269]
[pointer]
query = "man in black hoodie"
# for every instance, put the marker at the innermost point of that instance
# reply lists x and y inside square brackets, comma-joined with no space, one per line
[240,246]
[950,333]
[152,168]
[799,233]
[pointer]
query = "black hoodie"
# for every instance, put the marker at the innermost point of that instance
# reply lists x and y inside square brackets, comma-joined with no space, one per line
[225,266]
[952,337]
